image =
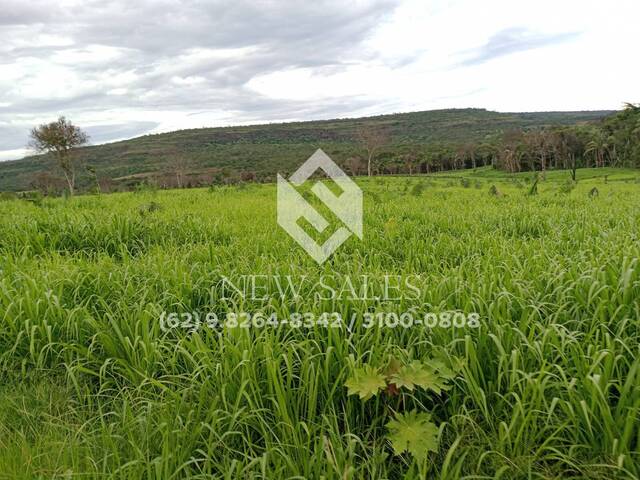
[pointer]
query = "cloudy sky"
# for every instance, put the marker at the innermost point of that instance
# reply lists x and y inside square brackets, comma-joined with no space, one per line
[124,68]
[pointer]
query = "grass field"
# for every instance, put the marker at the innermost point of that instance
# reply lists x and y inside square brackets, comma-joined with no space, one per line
[92,387]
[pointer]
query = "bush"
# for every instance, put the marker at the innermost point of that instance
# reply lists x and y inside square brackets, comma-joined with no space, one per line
[534,187]
[32,196]
[248,176]
[148,208]
[6,196]
[417,189]
[146,187]
[568,186]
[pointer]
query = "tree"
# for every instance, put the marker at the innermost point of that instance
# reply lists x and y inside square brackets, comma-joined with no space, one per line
[94,176]
[570,147]
[179,165]
[46,183]
[470,150]
[354,164]
[248,176]
[543,142]
[410,160]
[511,151]
[534,150]
[372,139]
[426,161]
[598,147]
[459,158]
[60,138]
[489,149]
[622,132]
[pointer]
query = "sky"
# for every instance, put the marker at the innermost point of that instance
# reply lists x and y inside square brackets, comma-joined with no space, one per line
[123,68]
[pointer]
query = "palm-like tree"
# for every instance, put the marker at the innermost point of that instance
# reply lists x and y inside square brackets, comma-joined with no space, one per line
[598,147]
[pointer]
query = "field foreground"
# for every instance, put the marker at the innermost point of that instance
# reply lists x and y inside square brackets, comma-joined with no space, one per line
[93,384]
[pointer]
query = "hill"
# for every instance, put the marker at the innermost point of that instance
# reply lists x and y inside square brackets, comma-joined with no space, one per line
[263,150]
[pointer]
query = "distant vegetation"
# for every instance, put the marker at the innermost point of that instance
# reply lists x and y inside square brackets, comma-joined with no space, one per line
[418,142]
[615,141]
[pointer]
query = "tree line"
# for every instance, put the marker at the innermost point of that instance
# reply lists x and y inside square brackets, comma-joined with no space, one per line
[614,141]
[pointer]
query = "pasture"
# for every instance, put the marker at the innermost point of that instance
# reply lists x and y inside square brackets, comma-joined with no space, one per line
[94,385]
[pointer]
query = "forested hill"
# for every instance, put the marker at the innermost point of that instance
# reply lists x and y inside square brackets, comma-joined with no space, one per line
[204,155]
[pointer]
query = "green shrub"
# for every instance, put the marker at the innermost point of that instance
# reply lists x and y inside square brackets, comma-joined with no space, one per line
[6,196]
[567,186]
[418,189]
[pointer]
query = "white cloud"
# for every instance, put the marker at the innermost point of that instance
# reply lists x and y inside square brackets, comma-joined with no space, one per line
[219,63]
[13,154]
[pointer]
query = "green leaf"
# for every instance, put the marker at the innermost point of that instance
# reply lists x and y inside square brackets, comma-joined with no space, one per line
[447,366]
[366,382]
[445,363]
[413,432]
[444,371]
[392,367]
[417,374]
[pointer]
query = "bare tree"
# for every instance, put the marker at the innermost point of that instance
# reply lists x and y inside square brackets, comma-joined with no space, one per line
[354,164]
[60,138]
[541,144]
[248,176]
[511,153]
[46,183]
[179,166]
[571,147]
[372,139]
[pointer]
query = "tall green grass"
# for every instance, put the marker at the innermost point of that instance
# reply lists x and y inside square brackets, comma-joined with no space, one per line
[91,387]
